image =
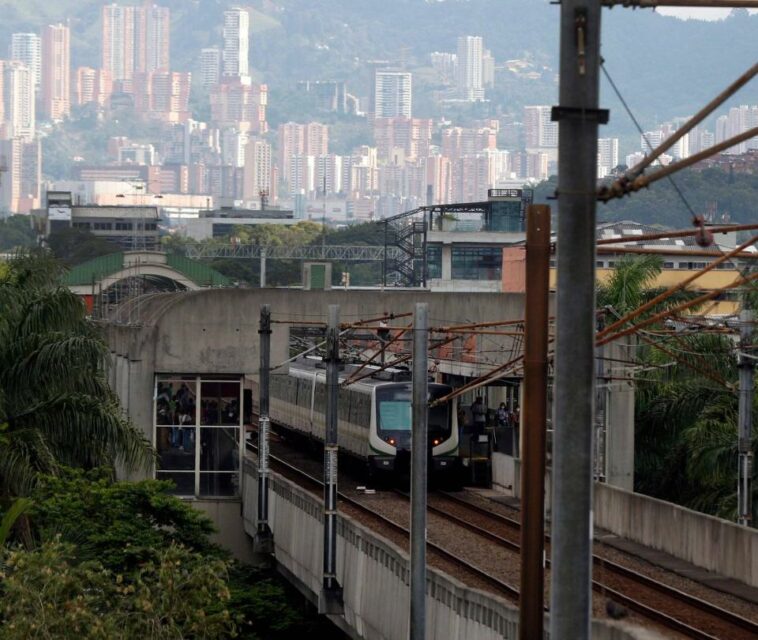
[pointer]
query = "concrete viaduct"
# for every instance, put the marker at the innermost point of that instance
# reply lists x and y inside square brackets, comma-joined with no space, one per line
[214,332]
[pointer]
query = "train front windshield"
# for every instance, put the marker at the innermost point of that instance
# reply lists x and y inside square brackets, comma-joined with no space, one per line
[395,411]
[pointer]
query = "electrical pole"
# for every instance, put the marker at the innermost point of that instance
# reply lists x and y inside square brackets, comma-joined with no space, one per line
[330,599]
[264,542]
[745,473]
[535,420]
[579,116]
[419,443]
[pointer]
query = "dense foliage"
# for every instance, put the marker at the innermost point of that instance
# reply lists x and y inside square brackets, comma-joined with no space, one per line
[16,232]
[128,560]
[686,403]
[734,194]
[289,272]
[55,404]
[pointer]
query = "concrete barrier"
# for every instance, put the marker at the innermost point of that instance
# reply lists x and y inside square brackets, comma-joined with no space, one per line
[708,542]
[375,575]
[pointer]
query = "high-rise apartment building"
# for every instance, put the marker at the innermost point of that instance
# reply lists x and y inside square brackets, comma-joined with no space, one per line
[152,31]
[118,41]
[392,94]
[297,139]
[210,67]
[135,39]
[607,156]
[539,131]
[257,172]
[163,95]
[20,186]
[470,71]
[27,48]
[92,85]
[235,104]
[236,54]
[56,72]
[18,108]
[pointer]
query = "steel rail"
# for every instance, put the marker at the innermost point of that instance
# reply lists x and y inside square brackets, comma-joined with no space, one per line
[614,567]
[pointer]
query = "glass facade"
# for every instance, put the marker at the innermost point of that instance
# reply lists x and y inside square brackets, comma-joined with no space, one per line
[477,263]
[198,430]
[506,216]
[433,261]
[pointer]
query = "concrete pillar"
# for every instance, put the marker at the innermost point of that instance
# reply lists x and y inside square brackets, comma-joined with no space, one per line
[447,262]
[619,455]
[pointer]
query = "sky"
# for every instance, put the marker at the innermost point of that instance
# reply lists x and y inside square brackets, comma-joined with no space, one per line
[698,14]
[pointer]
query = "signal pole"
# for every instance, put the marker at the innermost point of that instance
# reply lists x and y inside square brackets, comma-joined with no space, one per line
[330,598]
[419,452]
[264,542]
[579,117]
[745,472]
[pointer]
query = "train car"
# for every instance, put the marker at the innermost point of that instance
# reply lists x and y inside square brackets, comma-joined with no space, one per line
[374,417]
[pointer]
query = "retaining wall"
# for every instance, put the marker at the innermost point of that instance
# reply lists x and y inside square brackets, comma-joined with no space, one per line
[711,543]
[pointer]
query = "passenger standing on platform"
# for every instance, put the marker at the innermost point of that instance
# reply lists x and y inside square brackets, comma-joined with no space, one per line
[502,415]
[479,413]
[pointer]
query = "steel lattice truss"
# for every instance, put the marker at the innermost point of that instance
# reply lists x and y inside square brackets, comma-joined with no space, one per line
[325,252]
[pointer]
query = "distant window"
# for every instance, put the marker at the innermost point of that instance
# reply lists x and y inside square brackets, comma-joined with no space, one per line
[433,262]
[123,226]
[668,265]
[477,263]
[598,263]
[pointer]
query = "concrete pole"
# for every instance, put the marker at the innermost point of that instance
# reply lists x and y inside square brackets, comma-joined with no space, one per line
[330,598]
[578,114]
[263,268]
[419,444]
[263,541]
[745,474]
[535,420]
[601,391]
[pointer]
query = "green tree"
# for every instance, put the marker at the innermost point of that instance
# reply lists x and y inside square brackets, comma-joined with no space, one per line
[55,401]
[686,403]
[75,246]
[16,232]
[48,593]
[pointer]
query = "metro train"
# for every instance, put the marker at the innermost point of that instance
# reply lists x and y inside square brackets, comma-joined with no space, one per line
[374,416]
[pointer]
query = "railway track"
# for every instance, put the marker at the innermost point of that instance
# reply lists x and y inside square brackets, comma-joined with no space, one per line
[665,605]
[296,474]
[671,607]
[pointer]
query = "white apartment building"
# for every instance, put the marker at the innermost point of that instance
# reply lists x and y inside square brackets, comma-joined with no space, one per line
[210,67]
[27,48]
[393,94]
[470,77]
[539,131]
[236,55]
[18,112]
[257,172]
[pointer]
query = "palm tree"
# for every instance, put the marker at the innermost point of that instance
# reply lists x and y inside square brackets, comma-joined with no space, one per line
[686,403]
[55,404]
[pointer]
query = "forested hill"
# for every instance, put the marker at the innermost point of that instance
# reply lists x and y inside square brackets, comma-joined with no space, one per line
[664,66]
[734,195]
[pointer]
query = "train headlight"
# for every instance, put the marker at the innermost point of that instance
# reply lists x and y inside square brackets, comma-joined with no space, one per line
[436,441]
[391,441]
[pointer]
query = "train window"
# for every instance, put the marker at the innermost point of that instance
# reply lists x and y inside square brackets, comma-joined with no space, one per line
[395,415]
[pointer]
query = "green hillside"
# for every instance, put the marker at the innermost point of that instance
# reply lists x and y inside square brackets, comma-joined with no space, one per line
[665,67]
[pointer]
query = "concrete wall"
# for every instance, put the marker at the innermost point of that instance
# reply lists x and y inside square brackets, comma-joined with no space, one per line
[375,574]
[705,541]
[708,542]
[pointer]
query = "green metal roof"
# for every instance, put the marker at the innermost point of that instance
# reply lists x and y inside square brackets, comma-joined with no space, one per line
[201,274]
[99,268]
[94,270]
